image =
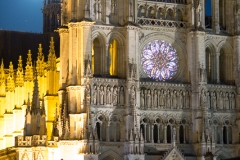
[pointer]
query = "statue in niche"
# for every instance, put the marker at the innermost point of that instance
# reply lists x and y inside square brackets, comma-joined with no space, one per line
[226,101]
[121,96]
[199,15]
[115,97]
[98,95]
[202,99]
[208,100]
[174,99]
[159,98]
[101,99]
[86,5]
[232,101]
[220,100]
[187,100]
[213,100]
[109,95]
[87,91]
[155,99]
[94,96]
[223,100]
[133,96]
[148,99]
[180,99]
[142,98]
[203,74]
[168,105]
[163,102]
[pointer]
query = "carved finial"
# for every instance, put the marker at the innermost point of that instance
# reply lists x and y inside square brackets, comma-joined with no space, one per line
[51,57]
[40,64]
[29,68]
[19,75]
[10,80]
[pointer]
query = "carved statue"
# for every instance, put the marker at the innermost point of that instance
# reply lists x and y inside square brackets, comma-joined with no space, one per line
[187,100]
[121,98]
[203,99]
[232,101]
[155,99]
[109,95]
[101,95]
[148,99]
[133,96]
[226,102]
[168,105]
[115,97]
[207,100]
[199,15]
[94,97]
[142,99]
[174,99]
[180,100]
[213,101]
[220,100]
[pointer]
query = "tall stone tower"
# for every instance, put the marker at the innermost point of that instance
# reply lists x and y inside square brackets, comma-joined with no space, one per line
[52,15]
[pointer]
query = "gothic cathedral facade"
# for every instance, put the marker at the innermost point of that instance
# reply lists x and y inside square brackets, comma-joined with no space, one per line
[135,80]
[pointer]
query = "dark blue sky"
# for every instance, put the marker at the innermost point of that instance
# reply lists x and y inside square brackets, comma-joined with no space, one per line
[21,15]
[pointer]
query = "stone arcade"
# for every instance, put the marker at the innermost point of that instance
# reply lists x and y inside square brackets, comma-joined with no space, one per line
[136,79]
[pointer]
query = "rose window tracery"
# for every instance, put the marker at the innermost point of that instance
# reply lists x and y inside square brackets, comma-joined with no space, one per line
[159,60]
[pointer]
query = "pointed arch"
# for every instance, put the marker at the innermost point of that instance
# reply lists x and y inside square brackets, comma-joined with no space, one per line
[222,14]
[98,57]
[226,65]
[110,154]
[116,55]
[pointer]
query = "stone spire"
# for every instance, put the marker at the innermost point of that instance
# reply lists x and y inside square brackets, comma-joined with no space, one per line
[10,80]
[19,75]
[35,100]
[2,74]
[29,67]
[51,56]
[40,64]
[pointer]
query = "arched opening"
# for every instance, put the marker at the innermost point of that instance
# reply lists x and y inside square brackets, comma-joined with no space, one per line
[179,16]
[98,129]
[160,14]
[225,135]
[155,132]
[226,67]
[112,132]
[218,139]
[118,132]
[103,131]
[169,134]
[151,12]
[208,13]
[181,134]
[113,58]
[141,11]
[209,66]
[143,130]
[222,14]
[170,15]
[229,134]
[96,58]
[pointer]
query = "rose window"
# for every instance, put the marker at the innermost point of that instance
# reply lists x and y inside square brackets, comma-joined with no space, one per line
[159,60]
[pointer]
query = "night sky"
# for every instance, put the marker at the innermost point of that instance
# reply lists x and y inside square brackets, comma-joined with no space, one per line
[21,15]
[26,15]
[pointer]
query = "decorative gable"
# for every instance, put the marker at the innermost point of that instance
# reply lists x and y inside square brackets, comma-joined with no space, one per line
[174,154]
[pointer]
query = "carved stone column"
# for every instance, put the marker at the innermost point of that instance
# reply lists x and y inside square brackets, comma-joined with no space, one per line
[165,133]
[217,67]
[152,130]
